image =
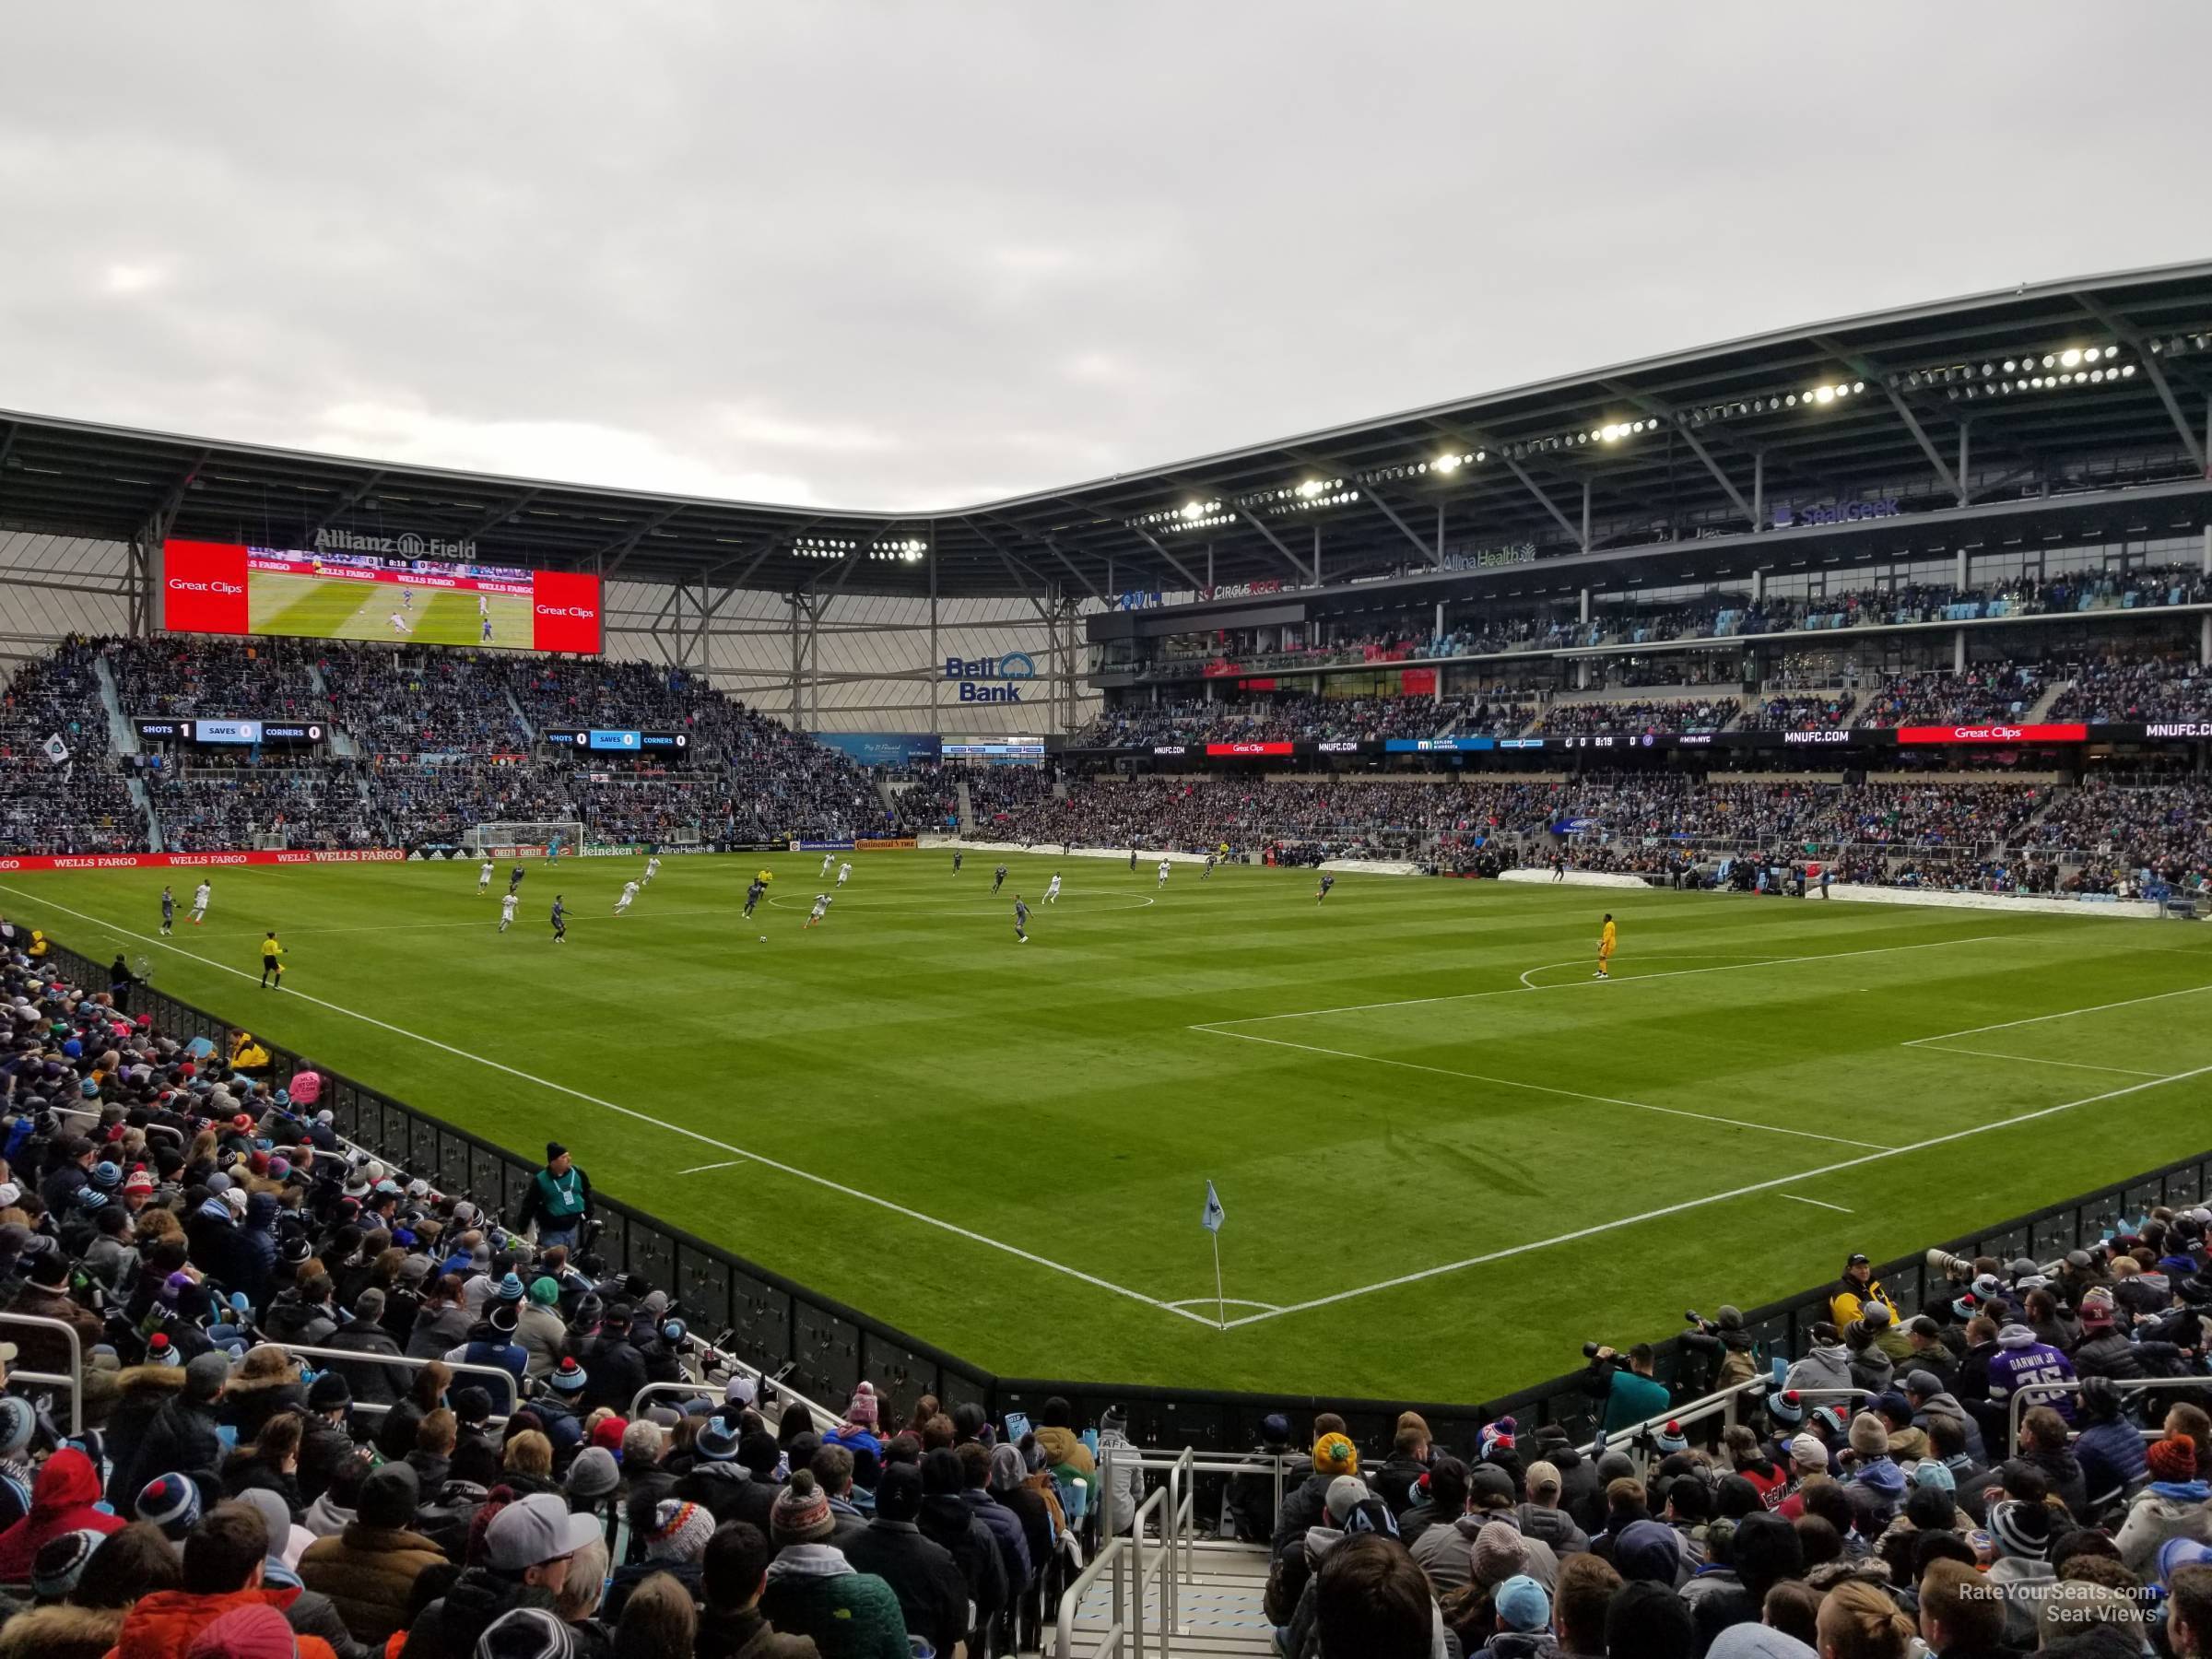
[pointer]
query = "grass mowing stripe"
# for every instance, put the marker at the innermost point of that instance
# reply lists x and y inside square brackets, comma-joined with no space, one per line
[1741,1192]
[719,1146]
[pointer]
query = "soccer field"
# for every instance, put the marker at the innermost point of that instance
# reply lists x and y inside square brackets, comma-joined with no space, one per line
[336,608]
[1446,1155]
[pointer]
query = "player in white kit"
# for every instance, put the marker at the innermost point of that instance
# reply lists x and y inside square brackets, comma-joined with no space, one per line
[844,874]
[1052,890]
[653,867]
[200,895]
[507,910]
[400,623]
[629,892]
[828,863]
[484,877]
[1163,873]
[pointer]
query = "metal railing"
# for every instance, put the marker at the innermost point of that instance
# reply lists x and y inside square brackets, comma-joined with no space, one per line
[2023,1398]
[1124,1554]
[515,1392]
[74,1383]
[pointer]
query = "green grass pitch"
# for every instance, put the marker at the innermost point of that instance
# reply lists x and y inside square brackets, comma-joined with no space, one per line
[1447,1156]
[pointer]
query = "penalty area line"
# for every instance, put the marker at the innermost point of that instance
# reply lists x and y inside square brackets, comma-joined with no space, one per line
[1508,1251]
[691,1135]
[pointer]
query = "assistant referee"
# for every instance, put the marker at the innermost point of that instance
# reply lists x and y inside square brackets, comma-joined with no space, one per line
[272,961]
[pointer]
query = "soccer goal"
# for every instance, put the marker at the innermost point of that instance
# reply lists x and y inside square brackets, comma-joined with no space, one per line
[525,837]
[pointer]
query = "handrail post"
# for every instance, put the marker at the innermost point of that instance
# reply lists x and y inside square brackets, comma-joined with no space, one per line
[73,1381]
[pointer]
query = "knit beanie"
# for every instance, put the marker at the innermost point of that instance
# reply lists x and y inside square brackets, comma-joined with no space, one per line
[60,1562]
[593,1473]
[1333,1455]
[2172,1460]
[1500,1553]
[567,1377]
[170,1502]
[1785,1408]
[1522,1605]
[679,1531]
[861,1412]
[609,1432]
[1869,1435]
[1671,1439]
[801,1514]
[16,1422]
[544,1292]
[2020,1528]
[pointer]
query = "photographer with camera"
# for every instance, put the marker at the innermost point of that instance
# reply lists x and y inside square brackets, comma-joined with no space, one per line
[1625,1383]
[1724,1346]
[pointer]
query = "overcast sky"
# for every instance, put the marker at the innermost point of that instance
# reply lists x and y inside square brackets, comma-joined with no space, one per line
[921,255]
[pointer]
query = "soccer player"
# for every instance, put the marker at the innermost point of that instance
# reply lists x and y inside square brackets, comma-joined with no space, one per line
[483,605]
[1605,950]
[955,860]
[829,863]
[400,623]
[407,597]
[560,921]
[200,895]
[1163,873]
[507,910]
[271,961]
[1208,873]
[514,876]
[486,635]
[1326,883]
[753,890]
[169,909]
[1021,920]
[998,879]
[1052,889]
[653,867]
[844,873]
[821,909]
[1132,858]
[629,892]
[484,877]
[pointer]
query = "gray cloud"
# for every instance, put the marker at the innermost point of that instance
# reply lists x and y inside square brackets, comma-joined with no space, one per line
[910,256]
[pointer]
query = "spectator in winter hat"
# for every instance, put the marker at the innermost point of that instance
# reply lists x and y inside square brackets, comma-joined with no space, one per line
[592,1479]
[859,1428]
[60,1563]
[172,1504]
[814,1591]
[2176,1504]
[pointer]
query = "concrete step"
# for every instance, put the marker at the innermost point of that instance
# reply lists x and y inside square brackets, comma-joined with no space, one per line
[1219,1611]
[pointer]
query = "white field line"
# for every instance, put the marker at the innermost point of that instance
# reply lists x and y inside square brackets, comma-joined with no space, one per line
[1823,1202]
[1747,957]
[702,1169]
[2008,1025]
[1692,1203]
[2118,1071]
[1225,1301]
[1634,979]
[643,1117]
[1572,1094]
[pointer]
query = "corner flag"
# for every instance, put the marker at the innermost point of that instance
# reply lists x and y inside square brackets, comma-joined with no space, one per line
[1213,1214]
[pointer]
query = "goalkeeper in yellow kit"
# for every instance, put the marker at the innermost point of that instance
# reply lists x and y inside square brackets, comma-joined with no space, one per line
[1604,949]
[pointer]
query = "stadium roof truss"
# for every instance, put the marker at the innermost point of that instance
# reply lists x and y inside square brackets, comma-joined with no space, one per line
[2005,394]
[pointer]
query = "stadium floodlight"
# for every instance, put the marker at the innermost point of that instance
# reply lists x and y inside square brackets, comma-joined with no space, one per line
[1192,510]
[2070,357]
[1445,463]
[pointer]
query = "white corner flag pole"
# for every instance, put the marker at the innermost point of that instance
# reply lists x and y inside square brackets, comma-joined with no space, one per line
[1212,1223]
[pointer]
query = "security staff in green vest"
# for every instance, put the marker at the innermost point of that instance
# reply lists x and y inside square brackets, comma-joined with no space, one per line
[560,1200]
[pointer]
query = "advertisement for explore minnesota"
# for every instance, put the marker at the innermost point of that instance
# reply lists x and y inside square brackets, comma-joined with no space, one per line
[227,587]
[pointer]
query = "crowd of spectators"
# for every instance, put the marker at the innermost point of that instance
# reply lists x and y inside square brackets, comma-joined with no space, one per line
[1975,697]
[1639,715]
[169,677]
[214,811]
[1280,717]
[473,1476]
[2119,690]
[398,703]
[1799,713]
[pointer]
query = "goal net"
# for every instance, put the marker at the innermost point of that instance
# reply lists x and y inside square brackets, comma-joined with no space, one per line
[523,839]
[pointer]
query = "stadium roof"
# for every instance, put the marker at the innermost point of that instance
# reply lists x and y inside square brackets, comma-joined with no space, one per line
[2029,380]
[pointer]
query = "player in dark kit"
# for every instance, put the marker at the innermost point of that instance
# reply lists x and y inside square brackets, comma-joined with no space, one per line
[956,863]
[1132,858]
[560,921]
[999,880]
[514,876]
[752,895]
[1021,920]
[1326,883]
[168,910]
